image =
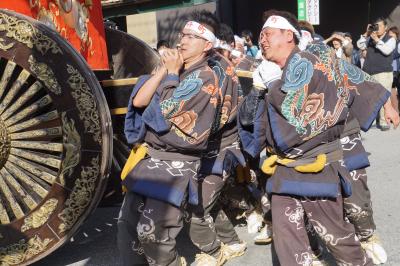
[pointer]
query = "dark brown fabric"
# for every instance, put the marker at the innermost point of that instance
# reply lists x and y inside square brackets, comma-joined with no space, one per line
[326,217]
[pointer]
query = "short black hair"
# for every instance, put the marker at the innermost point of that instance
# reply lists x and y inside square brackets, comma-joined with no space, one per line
[395,30]
[305,25]
[247,33]
[380,19]
[348,34]
[287,15]
[161,43]
[205,18]
[267,14]
[225,33]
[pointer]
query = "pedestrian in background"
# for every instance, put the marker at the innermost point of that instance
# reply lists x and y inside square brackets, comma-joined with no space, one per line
[394,32]
[343,47]
[379,59]
[250,48]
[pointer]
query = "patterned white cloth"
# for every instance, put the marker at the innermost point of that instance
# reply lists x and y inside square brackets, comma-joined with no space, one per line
[279,22]
[265,73]
[201,31]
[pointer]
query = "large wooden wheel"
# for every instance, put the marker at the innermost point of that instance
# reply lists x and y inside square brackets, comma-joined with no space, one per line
[55,140]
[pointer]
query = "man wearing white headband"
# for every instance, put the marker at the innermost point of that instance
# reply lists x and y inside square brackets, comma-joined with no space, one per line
[183,117]
[302,119]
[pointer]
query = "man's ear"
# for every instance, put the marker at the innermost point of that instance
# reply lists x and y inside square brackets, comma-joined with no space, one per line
[289,36]
[208,46]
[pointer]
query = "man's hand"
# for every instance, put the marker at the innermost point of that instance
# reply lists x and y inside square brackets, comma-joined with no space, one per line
[338,36]
[374,37]
[367,32]
[160,70]
[173,61]
[391,115]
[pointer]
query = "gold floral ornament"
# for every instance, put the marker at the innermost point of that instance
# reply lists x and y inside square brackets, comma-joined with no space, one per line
[24,32]
[85,102]
[17,253]
[44,73]
[80,197]
[41,216]
[72,145]
[4,46]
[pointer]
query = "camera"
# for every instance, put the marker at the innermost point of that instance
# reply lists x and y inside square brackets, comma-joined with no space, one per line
[373,27]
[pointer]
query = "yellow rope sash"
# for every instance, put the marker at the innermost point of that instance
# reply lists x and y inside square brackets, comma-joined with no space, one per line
[269,164]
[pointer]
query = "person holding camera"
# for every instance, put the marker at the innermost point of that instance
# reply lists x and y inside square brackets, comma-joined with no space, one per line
[378,62]
[395,33]
[250,48]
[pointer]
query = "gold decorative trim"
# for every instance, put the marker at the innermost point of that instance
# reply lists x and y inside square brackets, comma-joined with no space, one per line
[5,47]
[85,102]
[80,197]
[22,251]
[44,73]
[41,216]
[72,145]
[24,32]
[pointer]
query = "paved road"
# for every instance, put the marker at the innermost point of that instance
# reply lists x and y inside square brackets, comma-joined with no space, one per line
[95,243]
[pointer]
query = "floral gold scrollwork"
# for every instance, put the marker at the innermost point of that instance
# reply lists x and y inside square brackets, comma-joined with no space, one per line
[80,197]
[4,46]
[24,32]
[44,73]
[85,102]
[17,253]
[72,145]
[41,216]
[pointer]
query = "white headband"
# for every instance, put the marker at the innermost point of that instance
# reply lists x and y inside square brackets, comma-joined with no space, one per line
[305,40]
[279,22]
[222,45]
[201,30]
[239,40]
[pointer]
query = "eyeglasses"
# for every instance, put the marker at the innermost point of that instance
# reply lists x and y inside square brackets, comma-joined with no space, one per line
[190,36]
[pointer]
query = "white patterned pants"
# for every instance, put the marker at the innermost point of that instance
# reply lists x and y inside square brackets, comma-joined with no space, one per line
[326,218]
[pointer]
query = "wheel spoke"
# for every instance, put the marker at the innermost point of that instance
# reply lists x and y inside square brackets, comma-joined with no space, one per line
[26,198]
[46,100]
[4,219]
[39,171]
[5,78]
[38,157]
[34,121]
[46,132]
[13,204]
[22,78]
[23,177]
[38,145]
[32,90]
